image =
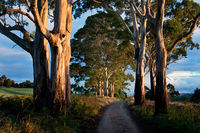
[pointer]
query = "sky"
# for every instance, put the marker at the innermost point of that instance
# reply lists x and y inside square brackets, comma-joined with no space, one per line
[16,64]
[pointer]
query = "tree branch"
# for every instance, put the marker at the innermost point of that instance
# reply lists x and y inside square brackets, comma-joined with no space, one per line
[24,44]
[179,40]
[4,22]
[97,1]
[27,2]
[43,7]
[136,8]
[21,29]
[118,14]
[135,27]
[148,13]
[76,2]
[18,11]
[34,9]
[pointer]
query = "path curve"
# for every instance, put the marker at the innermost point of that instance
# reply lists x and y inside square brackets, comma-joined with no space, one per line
[116,119]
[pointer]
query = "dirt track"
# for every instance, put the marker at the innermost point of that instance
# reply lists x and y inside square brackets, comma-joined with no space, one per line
[116,119]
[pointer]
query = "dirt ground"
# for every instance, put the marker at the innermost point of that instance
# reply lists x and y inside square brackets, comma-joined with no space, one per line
[117,119]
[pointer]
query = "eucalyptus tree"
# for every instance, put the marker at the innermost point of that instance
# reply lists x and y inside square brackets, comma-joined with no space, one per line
[157,19]
[51,87]
[134,19]
[13,18]
[99,49]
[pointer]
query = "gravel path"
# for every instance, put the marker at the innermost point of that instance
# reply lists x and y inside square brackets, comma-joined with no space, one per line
[116,119]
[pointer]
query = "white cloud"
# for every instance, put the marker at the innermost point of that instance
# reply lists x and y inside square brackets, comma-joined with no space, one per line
[183,74]
[10,52]
[184,81]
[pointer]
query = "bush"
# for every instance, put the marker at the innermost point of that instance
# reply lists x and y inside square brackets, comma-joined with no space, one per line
[182,118]
[17,115]
[196,96]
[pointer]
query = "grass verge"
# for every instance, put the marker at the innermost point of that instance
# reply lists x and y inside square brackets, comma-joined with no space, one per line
[16,91]
[182,117]
[17,115]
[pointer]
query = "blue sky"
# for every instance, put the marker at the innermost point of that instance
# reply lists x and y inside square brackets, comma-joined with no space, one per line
[17,64]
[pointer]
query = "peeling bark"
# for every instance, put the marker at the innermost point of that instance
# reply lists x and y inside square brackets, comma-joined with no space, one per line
[61,54]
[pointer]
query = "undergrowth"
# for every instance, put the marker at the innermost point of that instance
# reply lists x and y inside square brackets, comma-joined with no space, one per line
[182,117]
[17,115]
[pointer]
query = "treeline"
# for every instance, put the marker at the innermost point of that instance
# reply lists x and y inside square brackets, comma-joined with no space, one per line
[7,82]
[101,57]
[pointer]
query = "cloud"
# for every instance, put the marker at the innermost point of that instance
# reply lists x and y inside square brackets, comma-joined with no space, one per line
[11,52]
[15,63]
[177,74]
[184,81]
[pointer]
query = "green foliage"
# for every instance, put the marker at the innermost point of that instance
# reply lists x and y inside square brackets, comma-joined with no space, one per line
[147,92]
[196,96]
[184,98]
[172,92]
[95,48]
[182,118]
[178,23]
[120,94]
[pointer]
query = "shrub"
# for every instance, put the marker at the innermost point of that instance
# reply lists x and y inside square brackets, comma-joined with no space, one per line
[196,96]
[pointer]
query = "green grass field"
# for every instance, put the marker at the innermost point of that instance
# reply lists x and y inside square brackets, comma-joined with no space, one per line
[16,91]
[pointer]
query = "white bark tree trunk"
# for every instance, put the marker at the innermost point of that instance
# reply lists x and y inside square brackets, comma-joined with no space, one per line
[61,54]
[106,82]
[140,74]
[99,88]
[161,101]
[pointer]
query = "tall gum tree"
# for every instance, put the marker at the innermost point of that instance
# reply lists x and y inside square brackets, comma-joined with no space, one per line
[36,47]
[59,40]
[161,100]
[100,50]
[138,38]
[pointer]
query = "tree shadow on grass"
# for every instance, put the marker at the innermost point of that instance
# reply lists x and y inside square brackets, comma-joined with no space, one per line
[11,92]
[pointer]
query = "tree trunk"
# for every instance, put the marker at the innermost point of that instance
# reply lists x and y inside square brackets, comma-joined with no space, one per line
[99,88]
[61,54]
[96,91]
[112,90]
[161,101]
[41,69]
[152,79]
[139,83]
[106,82]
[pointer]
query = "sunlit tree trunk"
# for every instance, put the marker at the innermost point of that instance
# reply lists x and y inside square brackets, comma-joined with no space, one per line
[61,54]
[41,69]
[112,90]
[152,80]
[140,74]
[99,88]
[161,101]
[106,82]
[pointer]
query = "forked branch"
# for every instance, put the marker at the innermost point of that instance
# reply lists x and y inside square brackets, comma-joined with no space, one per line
[34,9]
[17,11]
[179,40]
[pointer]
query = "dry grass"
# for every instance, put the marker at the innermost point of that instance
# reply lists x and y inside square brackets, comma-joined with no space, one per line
[17,115]
[182,117]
